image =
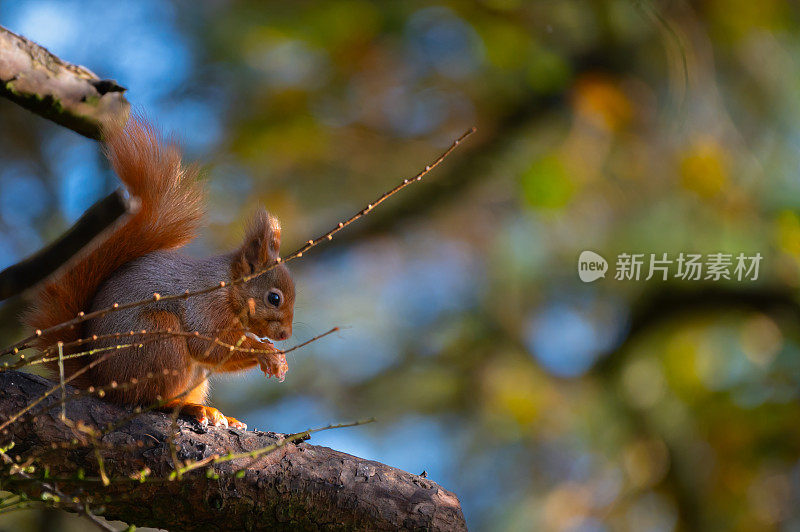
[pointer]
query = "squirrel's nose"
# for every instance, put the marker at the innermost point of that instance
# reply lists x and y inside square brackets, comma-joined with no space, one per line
[283,334]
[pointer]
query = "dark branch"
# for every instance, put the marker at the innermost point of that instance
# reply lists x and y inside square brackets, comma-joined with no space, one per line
[297,487]
[675,302]
[100,216]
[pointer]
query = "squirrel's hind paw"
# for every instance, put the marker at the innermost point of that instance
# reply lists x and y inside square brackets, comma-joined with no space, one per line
[208,415]
[236,424]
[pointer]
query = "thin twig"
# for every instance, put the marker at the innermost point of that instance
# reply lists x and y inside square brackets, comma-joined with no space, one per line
[299,436]
[116,307]
[80,508]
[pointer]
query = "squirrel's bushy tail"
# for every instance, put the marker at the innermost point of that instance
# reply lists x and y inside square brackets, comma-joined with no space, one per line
[170,204]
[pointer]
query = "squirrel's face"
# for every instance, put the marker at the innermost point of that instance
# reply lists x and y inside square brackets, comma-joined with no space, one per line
[267,302]
[270,304]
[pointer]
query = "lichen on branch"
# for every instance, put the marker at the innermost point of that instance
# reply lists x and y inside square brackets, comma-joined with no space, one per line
[69,95]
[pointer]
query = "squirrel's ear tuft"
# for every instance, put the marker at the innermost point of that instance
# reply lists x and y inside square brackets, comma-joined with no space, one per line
[261,246]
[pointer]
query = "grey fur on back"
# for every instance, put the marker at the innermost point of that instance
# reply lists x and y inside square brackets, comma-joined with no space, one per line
[165,273]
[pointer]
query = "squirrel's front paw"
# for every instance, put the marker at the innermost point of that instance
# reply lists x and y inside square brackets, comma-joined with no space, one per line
[274,364]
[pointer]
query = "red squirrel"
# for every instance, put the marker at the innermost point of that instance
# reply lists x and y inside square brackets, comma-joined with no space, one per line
[140,258]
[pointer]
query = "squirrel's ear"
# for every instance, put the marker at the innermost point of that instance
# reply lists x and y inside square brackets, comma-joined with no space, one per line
[261,246]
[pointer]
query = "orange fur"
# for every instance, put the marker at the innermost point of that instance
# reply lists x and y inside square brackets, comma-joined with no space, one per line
[170,211]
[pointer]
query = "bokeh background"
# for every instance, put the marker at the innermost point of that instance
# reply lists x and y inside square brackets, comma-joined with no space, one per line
[615,126]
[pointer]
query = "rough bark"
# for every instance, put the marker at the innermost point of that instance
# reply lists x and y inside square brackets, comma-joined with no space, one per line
[69,95]
[298,486]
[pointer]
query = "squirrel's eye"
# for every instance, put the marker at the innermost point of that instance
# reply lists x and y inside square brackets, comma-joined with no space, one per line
[274,298]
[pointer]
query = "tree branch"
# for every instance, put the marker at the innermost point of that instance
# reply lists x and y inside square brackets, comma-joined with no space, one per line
[69,95]
[98,218]
[297,486]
